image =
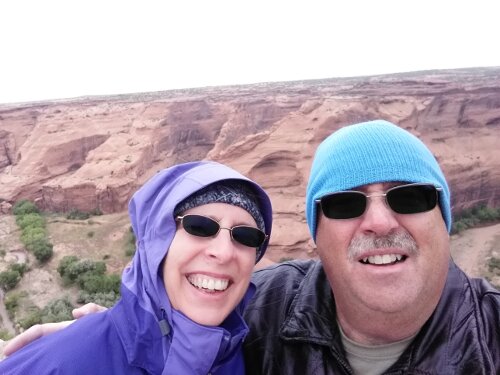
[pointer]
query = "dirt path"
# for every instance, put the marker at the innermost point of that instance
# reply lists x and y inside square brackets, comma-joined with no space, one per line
[470,248]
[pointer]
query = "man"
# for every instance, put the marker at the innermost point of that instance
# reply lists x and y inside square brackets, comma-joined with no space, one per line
[385,296]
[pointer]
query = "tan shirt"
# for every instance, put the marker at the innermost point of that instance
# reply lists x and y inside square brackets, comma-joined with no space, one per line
[372,360]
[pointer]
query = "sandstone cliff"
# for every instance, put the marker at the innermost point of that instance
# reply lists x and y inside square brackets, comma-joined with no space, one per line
[94,152]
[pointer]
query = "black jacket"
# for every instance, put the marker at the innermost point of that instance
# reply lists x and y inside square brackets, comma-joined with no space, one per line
[293,329]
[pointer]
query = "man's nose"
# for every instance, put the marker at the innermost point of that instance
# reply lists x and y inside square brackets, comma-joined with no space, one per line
[378,217]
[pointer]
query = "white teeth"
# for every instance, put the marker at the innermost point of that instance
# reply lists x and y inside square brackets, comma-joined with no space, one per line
[209,283]
[382,259]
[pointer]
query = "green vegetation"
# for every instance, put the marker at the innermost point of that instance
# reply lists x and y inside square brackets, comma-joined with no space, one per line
[90,276]
[33,233]
[102,240]
[4,335]
[24,207]
[55,311]
[12,303]
[10,278]
[75,214]
[473,217]
[130,243]
[493,265]
[33,315]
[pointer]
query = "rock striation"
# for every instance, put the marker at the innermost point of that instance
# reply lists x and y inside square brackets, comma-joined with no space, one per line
[94,152]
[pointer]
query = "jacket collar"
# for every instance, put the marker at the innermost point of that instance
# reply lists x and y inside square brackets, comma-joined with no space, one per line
[311,316]
[187,348]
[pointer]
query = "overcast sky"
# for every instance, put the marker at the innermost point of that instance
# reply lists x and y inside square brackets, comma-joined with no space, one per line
[68,48]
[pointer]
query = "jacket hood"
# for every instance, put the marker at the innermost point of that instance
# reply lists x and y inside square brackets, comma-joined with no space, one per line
[151,213]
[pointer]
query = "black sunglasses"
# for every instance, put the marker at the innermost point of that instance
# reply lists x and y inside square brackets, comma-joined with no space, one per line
[403,199]
[203,226]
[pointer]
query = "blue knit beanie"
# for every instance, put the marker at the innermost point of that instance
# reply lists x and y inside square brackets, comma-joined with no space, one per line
[368,153]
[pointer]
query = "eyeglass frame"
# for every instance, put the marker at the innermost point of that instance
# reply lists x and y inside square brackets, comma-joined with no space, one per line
[180,219]
[438,189]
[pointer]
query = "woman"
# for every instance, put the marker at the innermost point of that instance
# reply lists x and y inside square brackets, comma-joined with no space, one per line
[200,228]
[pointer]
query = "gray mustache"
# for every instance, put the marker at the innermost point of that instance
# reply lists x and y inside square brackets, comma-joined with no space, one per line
[362,243]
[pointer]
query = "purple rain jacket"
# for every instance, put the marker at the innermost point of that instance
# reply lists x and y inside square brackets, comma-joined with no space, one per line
[142,333]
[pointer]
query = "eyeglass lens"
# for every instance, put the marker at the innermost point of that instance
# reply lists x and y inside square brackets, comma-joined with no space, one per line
[203,226]
[404,199]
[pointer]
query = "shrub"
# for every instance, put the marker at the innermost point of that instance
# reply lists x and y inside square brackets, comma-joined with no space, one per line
[31,235]
[11,303]
[91,278]
[5,335]
[77,215]
[73,269]
[19,267]
[86,266]
[57,310]
[96,212]
[103,299]
[457,227]
[9,279]
[494,265]
[24,207]
[130,243]
[474,216]
[43,251]
[33,220]
[34,316]
[93,283]
[64,263]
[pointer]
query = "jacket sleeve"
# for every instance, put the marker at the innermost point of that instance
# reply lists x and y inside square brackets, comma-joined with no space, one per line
[489,305]
[85,347]
[276,288]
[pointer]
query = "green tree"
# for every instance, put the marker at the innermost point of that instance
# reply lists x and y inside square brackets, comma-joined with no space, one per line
[31,235]
[24,207]
[94,283]
[33,220]
[43,251]
[62,268]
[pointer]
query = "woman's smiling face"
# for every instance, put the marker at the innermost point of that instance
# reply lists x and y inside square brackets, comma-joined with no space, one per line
[206,277]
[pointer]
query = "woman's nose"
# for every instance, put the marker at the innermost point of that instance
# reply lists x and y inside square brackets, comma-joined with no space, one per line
[221,247]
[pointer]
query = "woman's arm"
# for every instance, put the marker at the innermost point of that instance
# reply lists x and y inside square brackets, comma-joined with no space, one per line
[39,330]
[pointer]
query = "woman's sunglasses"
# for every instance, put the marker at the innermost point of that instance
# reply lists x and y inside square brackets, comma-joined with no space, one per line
[203,226]
[403,199]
